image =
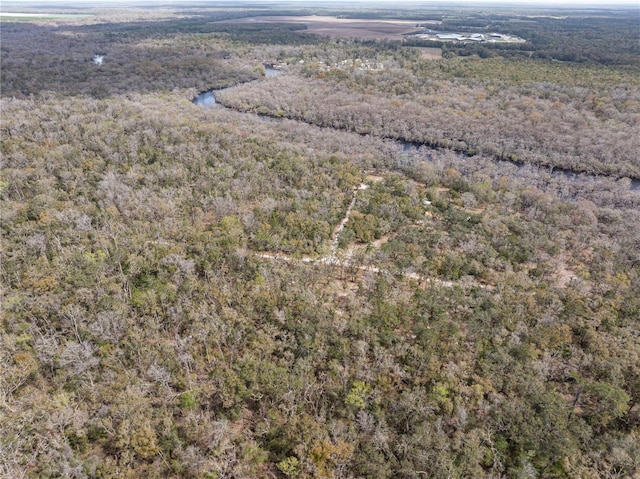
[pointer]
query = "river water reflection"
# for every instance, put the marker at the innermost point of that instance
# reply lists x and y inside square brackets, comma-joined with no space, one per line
[207,99]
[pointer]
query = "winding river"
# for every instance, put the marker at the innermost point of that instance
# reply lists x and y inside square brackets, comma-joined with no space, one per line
[207,99]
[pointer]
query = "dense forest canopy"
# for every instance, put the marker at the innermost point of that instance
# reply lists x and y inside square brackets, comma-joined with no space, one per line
[393,259]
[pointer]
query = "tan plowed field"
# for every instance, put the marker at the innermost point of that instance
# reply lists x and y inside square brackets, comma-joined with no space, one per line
[345,27]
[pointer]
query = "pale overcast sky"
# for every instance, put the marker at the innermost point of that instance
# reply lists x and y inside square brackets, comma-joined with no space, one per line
[346,3]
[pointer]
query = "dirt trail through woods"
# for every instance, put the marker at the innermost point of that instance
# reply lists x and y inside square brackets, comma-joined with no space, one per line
[336,234]
[333,260]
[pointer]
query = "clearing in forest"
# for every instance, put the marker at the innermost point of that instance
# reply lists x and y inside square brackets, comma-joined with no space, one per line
[346,27]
